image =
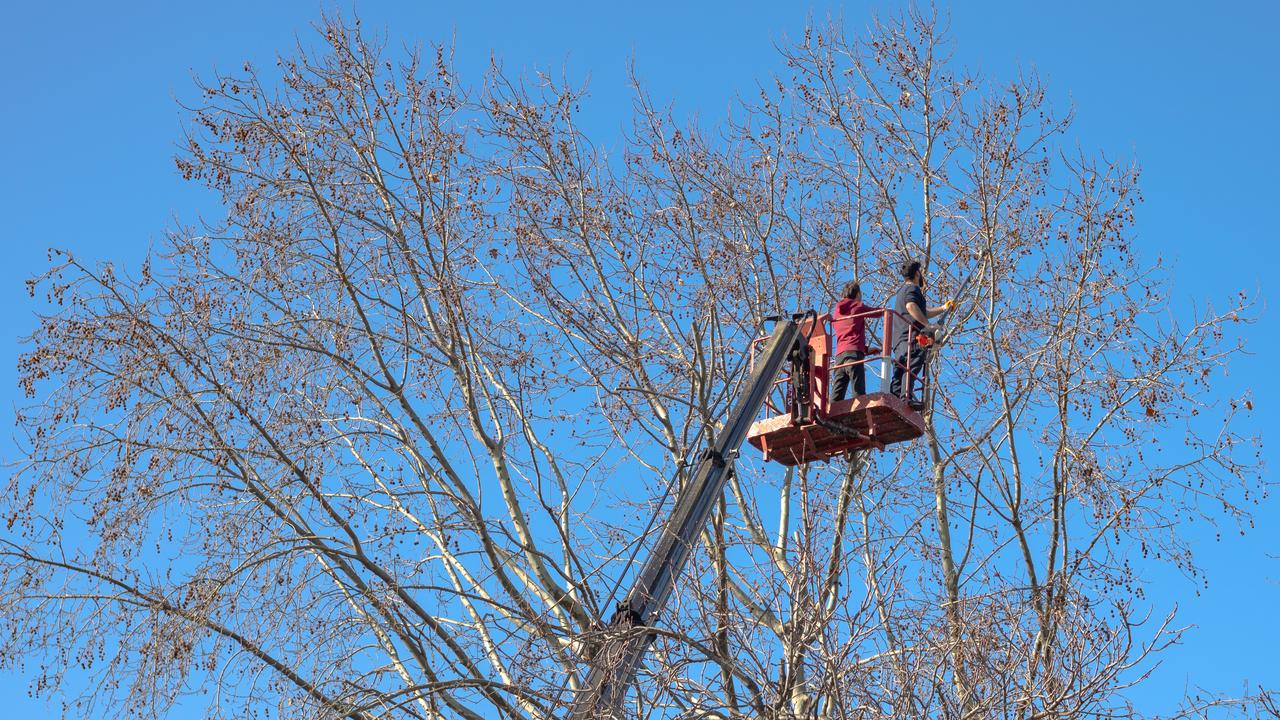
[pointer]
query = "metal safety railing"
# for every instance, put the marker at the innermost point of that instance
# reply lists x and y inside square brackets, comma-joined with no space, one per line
[879,361]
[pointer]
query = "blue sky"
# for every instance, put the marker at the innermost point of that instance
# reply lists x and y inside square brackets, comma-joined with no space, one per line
[91,124]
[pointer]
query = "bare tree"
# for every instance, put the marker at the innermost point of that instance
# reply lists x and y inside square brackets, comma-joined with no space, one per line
[387,441]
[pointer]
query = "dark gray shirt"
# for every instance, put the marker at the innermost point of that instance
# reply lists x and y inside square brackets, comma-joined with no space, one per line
[902,332]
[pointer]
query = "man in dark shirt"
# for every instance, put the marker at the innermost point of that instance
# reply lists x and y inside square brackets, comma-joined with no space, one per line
[849,325]
[910,303]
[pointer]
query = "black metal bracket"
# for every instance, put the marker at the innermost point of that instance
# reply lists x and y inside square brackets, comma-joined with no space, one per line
[801,366]
[626,616]
[839,427]
[717,460]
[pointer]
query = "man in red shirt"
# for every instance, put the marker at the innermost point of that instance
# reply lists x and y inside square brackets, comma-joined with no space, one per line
[849,325]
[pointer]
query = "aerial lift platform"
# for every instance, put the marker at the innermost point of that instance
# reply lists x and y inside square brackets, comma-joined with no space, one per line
[804,427]
[811,426]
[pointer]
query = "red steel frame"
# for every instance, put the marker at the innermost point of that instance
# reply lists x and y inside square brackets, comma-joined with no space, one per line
[820,343]
[822,428]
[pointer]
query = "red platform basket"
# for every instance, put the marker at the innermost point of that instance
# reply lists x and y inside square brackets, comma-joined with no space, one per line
[820,428]
[866,421]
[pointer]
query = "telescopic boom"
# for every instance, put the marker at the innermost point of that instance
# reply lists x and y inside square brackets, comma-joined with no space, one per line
[613,667]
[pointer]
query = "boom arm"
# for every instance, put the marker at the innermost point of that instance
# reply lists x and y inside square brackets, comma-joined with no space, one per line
[613,667]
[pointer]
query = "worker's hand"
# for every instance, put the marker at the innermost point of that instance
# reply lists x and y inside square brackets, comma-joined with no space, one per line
[949,305]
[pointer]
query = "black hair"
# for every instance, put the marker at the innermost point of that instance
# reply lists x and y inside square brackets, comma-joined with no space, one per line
[910,268]
[852,289]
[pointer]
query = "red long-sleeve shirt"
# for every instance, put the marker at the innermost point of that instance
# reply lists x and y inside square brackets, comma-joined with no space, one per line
[849,325]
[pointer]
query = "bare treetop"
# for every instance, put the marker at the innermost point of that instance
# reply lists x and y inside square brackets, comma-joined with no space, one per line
[386,440]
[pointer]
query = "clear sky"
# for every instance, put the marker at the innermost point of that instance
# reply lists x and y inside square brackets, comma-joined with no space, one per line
[1188,89]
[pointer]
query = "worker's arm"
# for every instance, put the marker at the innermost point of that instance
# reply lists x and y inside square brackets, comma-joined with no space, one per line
[919,316]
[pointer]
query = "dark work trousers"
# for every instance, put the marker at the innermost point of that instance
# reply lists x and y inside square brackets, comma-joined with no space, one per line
[919,357]
[840,377]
